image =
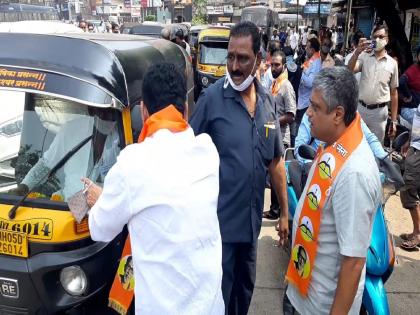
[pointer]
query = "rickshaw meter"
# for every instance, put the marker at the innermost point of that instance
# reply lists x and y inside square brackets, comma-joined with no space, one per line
[73,279]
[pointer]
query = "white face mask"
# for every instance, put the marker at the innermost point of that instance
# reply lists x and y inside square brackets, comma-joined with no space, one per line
[244,85]
[380,44]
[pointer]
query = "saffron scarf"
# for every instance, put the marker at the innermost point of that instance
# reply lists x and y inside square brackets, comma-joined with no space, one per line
[328,165]
[308,62]
[122,290]
[275,88]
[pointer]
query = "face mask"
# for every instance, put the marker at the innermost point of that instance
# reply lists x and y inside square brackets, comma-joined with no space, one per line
[380,44]
[244,85]
[104,126]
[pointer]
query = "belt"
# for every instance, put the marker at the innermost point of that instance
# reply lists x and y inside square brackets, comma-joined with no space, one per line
[373,106]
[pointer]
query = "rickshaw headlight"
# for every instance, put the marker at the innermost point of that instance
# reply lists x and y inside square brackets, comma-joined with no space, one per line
[204,81]
[74,281]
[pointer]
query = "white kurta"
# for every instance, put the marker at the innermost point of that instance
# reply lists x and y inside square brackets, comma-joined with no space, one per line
[166,189]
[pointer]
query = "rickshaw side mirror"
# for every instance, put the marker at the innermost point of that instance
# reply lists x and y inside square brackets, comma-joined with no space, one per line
[400,140]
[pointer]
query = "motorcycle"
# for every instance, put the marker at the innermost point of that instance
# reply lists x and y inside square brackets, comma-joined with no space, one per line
[380,258]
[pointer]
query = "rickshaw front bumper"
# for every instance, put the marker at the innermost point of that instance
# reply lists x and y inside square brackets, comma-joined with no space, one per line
[32,285]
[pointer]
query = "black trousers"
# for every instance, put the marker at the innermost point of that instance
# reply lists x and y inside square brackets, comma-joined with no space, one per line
[239,262]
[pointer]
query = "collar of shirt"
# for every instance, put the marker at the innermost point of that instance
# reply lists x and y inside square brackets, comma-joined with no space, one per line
[386,56]
[262,93]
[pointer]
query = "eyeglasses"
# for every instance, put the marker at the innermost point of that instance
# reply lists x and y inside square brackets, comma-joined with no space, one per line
[379,36]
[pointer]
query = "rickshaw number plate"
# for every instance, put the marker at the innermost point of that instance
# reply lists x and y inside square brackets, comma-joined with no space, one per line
[13,243]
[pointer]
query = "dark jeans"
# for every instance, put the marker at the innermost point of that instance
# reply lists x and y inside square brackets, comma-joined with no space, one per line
[239,262]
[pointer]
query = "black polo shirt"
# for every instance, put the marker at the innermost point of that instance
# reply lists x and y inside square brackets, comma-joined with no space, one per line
[246,147]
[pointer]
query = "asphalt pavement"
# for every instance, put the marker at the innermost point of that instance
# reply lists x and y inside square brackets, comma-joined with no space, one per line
[403,287]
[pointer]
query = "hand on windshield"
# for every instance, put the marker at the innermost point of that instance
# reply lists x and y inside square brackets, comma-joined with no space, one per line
[20,190]
[92,191]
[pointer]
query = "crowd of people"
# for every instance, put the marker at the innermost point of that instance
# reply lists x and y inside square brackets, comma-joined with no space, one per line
[192,193]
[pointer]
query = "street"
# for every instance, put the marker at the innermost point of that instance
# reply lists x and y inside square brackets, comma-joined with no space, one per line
[403,287]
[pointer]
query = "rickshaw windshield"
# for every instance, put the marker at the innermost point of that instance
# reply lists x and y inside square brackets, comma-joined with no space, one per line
[213,53]
[37,131]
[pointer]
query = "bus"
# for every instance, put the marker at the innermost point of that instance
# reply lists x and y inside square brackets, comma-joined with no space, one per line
[14,12]
[263,17]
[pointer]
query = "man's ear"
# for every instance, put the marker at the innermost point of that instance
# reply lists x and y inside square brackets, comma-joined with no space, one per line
[259,58]
[144,112]
[339,115]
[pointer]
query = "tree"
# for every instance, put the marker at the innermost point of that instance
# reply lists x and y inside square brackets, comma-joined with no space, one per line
[150,18]
[199,12]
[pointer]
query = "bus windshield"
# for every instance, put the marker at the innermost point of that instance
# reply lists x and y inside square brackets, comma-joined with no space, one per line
[258,17]
[37,131]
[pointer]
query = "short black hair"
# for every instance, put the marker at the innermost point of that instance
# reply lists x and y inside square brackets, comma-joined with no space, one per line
[164,85]
[281,54]
[314,43]
[273,45]
[380,27]
[245,29]
[288,51]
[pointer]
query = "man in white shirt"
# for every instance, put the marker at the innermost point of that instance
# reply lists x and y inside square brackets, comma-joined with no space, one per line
[166,190]
[294,40]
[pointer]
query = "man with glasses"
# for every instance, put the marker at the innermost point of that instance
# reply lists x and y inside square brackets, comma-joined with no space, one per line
[239,115]
[378,82]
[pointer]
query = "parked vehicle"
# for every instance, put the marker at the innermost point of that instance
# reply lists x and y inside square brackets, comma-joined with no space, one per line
[211,56]
[263,17]
[48,262]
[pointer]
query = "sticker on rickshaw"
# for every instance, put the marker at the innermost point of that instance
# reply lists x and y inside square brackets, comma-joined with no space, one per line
[41,229]
[13,243]
[16,78]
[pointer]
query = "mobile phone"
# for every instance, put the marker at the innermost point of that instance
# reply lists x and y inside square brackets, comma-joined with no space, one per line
[372,44]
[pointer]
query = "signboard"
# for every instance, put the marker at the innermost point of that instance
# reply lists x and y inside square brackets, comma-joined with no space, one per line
[210,10]
[224,19]
[228,9]
[325,8]
[127,3]
[218,10]
[144,3]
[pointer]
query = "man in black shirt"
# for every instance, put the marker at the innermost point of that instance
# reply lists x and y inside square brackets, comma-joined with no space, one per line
[239,115]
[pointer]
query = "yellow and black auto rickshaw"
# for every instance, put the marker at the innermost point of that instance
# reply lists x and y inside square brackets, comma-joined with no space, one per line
[211,56]
[64,100]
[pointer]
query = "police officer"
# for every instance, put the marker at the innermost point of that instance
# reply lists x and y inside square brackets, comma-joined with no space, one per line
[239,115]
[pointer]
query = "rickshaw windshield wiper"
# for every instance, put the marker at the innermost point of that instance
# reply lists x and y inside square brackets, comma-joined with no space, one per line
[12,212]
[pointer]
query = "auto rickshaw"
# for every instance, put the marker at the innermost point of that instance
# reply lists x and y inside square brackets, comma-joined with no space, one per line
[50,83]
[211,56]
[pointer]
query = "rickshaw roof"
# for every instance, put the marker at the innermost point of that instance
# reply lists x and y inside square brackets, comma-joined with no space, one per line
[114,64]
[214,34]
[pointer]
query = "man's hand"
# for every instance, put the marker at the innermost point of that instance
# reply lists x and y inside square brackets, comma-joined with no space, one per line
[404,148]
[92,192]
[407,99]
[20,190]
[363,46]
[283,225]
[392,130]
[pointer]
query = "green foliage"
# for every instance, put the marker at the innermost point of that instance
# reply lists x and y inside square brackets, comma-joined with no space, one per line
[150,18]
[200,14]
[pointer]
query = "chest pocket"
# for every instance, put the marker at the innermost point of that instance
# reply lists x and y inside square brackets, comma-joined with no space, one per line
[267,134]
